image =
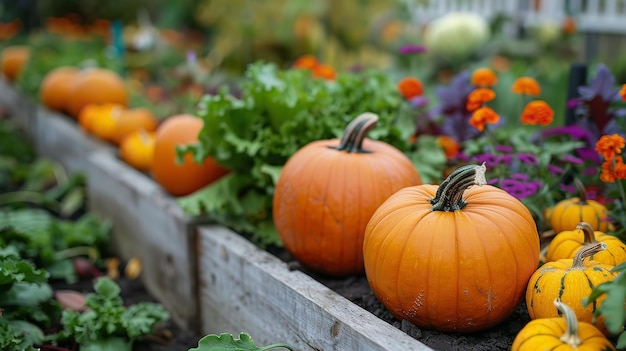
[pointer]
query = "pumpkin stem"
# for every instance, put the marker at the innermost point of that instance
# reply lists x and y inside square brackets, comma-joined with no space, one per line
[588,232]
[587,251]
[449,196]
[353,136]
[582,192]
[571,333]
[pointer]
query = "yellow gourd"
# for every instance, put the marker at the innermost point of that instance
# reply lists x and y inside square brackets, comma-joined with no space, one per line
[560,333]
[565,245]
[569,280]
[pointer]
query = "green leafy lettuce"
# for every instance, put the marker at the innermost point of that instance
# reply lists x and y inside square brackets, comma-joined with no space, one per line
[254,131]
[108,325]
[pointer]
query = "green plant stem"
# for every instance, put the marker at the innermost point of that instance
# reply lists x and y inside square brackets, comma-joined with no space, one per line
[620,186]
[77,251]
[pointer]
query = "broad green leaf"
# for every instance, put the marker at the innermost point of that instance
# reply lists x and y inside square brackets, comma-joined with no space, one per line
[226,342]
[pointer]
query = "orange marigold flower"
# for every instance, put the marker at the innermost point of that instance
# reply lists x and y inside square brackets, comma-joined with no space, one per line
[306,62]
[410,87]
[622,92]
[478,97]
[484,77]
[324,71]
[569,25]
[610,145]
[483,116]
[537,112]
[449,145]
[527,86]
[613,169]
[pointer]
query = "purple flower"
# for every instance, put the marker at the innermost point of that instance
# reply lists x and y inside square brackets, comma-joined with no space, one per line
[589,154]
[522,177]
[489,159]
[505,159]
[419,101]
[452,107]
[602,85]
[567,188]
[554,170]
[528,158]
[412,49]
[504,148]
[515,188]
[572,159]
[597,98]
[573,103]
[590,171]
[574,131]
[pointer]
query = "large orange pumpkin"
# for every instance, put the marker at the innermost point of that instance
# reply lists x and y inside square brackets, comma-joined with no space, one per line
[13,59]
[327,192]
[96,85]
[455,257]
[54,91]
[181,179]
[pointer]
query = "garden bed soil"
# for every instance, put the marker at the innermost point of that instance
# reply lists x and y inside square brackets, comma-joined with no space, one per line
[357,290]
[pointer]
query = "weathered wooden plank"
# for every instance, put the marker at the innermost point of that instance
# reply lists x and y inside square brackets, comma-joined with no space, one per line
[149,225]
[58,137]
[21,108]
[245,289]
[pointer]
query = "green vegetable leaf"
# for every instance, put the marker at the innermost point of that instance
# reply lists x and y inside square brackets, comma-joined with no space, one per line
[226,342]
[108,318]
[612,308]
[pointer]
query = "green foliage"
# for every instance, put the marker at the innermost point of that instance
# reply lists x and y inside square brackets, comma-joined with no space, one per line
[107,324]
[226,342]
[612,307]
[25,301]
[279,112]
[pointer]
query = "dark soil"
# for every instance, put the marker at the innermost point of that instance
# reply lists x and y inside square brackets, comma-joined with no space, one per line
[357,290]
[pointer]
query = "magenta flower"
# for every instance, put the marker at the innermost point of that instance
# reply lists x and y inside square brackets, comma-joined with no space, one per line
[528,158]
[412,49]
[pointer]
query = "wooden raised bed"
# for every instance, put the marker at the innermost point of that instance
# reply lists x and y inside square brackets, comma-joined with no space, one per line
[211,279]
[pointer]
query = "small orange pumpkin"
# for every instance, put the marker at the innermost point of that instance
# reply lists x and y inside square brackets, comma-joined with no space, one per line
[13,59]
[554,333]
[565,245]
[454,257]
[327,192]
[567,213]
[570,280]
[96,85]
[54,91]
[132,120]
[99,119]
[189,176]
[137,149]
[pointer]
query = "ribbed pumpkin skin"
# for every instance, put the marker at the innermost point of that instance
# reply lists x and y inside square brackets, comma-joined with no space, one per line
[568,213]
[324,198]
[545,334]
[567,243]
[460,271]
[558,279]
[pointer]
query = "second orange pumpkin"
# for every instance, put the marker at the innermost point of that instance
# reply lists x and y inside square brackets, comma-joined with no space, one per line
[181,179]
[327,192]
